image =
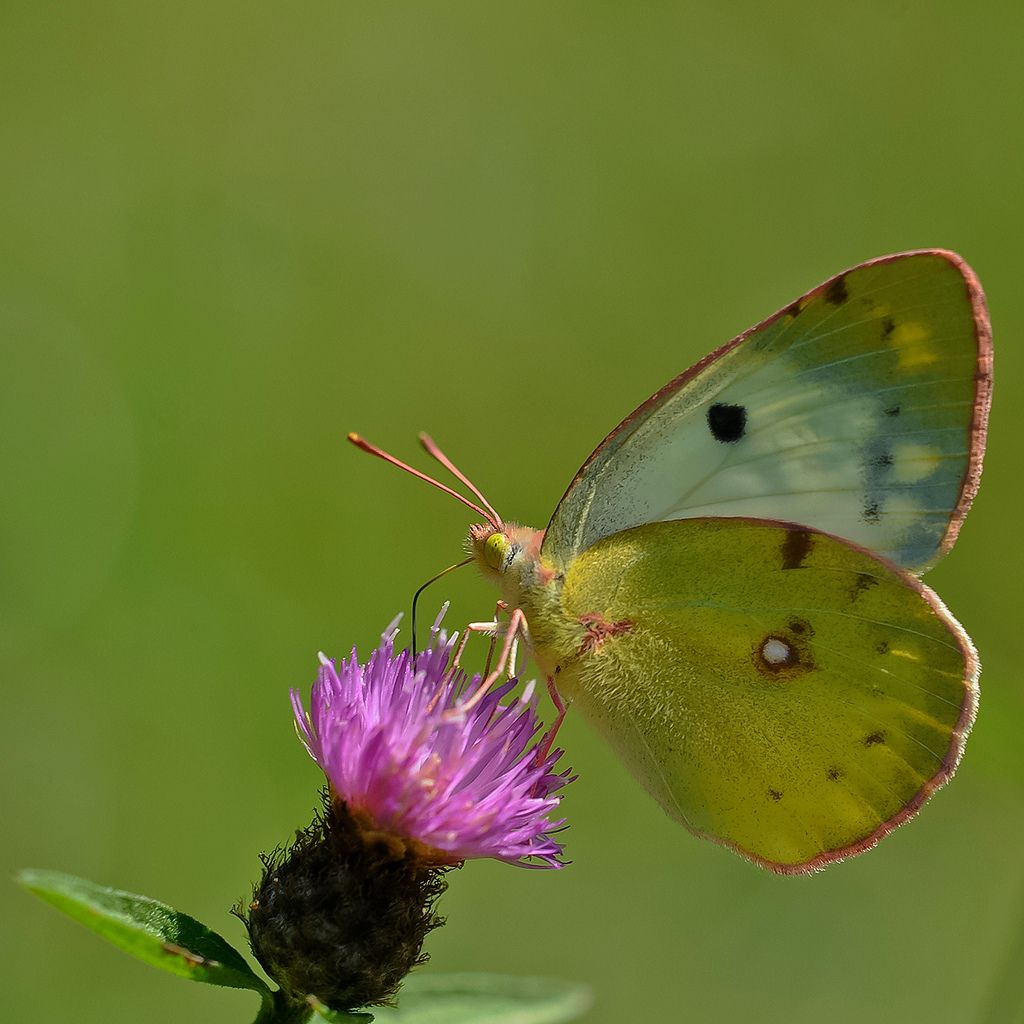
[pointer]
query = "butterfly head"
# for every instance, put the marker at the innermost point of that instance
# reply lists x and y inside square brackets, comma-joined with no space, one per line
[504,550]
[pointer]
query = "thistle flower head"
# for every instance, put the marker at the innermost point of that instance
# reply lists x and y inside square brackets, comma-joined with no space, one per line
[412,758]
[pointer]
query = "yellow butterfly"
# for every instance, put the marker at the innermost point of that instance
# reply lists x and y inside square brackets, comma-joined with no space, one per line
[729,589]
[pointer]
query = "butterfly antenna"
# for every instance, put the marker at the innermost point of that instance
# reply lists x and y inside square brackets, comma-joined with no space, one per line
[490,515]
[416,596]
[432,449]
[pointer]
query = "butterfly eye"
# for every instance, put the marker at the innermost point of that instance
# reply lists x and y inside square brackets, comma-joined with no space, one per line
[495,549]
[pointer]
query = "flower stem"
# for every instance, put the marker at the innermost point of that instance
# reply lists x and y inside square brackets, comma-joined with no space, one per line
[276,1009]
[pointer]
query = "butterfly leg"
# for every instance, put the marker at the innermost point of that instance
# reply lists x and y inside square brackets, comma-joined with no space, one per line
[556,698]
[516,624]
[499,607]
[488,629]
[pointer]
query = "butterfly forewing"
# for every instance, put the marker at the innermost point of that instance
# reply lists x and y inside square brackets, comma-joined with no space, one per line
[776,689]
[858,410]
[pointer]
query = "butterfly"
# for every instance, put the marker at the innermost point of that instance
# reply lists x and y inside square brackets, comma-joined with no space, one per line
[729,589]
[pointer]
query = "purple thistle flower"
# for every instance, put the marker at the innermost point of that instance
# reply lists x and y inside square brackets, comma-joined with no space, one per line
[395,748]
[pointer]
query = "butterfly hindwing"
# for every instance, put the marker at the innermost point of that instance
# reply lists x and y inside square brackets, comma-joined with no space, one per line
[777,689]
[858,410]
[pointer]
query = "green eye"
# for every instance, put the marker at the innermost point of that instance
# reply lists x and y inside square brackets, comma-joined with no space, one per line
[495,548]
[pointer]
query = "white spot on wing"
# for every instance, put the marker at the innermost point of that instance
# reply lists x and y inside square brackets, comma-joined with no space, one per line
[776,651]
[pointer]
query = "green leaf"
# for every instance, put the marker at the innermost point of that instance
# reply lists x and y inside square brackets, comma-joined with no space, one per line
[485,999]
[151,931]
[338,1016]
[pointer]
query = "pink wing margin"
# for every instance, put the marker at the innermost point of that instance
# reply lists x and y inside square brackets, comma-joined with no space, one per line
[982,379]
[982,396]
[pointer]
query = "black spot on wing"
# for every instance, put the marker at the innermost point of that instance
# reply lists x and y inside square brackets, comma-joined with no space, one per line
[874,738]
[728,423]
[876,464]
[836,293]
[893,410]
[888,326]
[796,547]
[774,794]
[864,581]
[834,774]
[882,647]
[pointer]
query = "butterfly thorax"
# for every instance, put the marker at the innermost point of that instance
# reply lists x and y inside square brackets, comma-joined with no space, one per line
[511,559]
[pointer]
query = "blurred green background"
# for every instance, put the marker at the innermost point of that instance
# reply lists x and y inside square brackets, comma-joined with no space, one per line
[231,232]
